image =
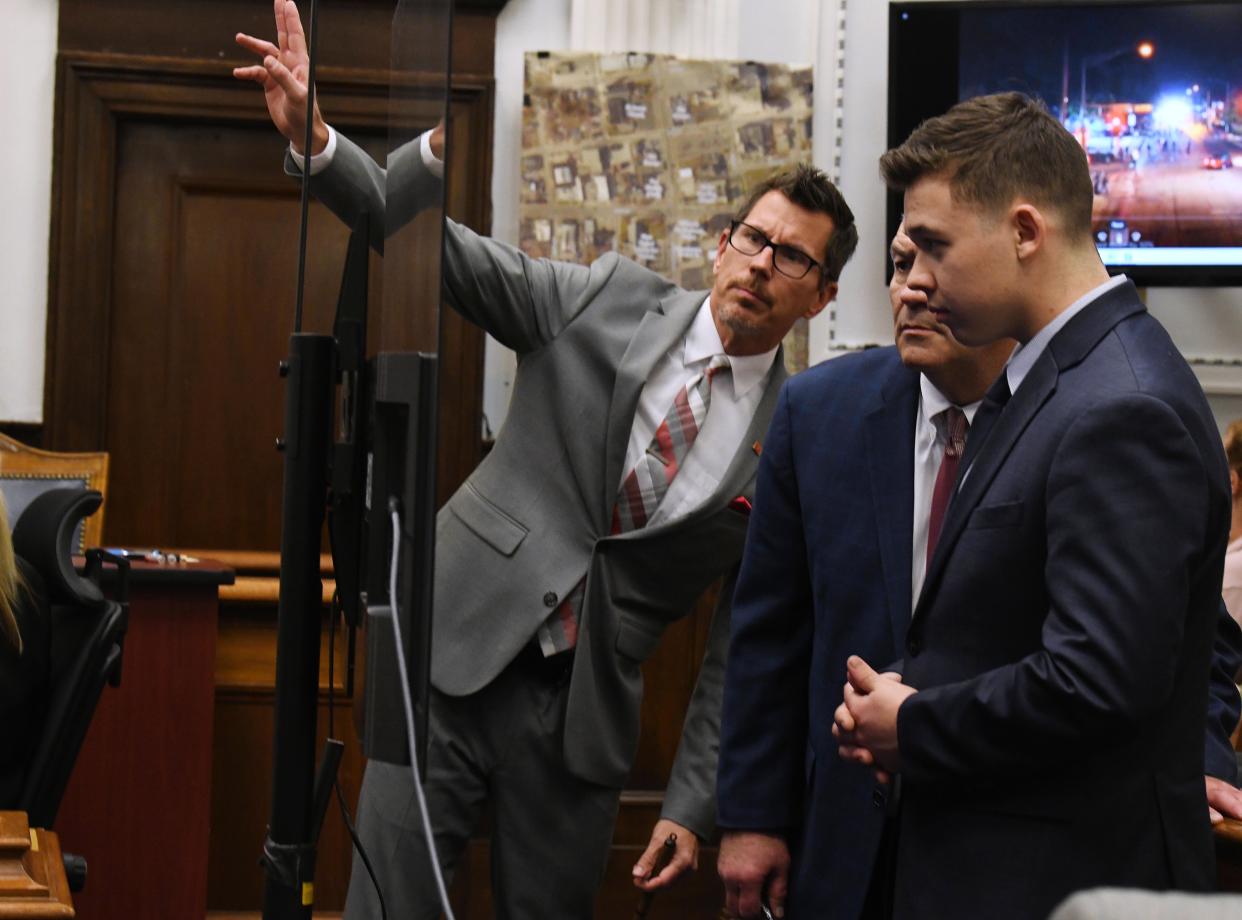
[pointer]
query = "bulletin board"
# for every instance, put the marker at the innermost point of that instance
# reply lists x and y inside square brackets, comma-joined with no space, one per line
[651,155]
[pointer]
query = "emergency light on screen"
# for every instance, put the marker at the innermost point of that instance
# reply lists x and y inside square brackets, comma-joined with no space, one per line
[1152,91]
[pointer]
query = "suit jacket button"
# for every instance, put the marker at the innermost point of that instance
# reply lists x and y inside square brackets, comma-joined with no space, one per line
[914,645]
[878,797]
[549,599]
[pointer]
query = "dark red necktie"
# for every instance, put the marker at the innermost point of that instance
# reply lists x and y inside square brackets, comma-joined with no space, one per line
[955,426]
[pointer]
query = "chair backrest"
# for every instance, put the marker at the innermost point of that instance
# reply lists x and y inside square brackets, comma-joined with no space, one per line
[26,472]
[87,639]
[86,655]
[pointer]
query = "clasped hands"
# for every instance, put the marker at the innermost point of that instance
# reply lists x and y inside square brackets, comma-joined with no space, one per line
[865,724]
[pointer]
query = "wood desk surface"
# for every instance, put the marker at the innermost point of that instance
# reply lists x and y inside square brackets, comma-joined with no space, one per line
[181,574]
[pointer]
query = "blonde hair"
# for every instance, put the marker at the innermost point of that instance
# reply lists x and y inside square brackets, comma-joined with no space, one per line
[1233,444]
[10,581]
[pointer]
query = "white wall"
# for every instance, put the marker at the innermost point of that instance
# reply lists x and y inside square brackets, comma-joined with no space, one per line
[1205,323]
[523,25]
[27,73]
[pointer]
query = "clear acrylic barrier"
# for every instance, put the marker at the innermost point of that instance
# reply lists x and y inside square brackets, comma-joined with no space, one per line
[409,308]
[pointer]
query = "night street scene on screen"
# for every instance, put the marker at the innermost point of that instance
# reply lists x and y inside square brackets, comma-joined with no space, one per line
[1154,95]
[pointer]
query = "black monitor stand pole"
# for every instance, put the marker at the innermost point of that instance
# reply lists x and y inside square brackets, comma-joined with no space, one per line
[299,802]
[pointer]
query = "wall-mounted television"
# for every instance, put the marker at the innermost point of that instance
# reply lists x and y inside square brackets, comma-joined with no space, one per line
[1152,91]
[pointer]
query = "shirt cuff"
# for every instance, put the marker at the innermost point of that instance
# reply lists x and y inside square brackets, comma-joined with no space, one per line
[318,161]
[434,166]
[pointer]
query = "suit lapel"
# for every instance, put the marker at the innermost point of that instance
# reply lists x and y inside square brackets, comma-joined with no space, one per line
[656,334]
[1040,383]
[889,431]
[1067,348]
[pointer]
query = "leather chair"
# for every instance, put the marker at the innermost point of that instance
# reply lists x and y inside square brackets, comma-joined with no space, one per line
[88,632]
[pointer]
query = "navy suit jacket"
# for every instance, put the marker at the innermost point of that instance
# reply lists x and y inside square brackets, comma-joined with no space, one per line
[1063,639]
[826,574]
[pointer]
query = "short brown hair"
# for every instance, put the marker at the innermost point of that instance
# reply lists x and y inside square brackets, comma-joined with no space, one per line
[810,188]
[994,149]
[1233,444]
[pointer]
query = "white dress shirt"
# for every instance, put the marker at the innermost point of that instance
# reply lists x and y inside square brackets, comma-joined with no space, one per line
[323,159]
[735,397]
[930,438]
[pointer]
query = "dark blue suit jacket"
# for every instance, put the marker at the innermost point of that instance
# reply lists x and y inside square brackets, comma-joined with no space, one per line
[1063,640]
[826,574]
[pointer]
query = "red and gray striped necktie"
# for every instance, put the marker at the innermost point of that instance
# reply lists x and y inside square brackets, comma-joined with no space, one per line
[955,430]
[642,490]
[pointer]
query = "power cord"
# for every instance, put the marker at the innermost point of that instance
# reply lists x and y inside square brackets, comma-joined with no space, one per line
[393,510]
[362,854]
[334,612]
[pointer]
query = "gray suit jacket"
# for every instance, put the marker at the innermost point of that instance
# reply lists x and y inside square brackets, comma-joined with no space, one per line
[534,517]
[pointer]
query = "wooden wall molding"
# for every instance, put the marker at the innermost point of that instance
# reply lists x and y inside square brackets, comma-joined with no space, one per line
[95,92]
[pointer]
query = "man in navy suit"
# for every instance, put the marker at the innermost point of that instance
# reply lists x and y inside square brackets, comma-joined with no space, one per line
[836,549]
[1048,729]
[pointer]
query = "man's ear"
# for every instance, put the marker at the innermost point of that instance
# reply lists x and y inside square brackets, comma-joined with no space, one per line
[1029,228]
[720,248]
[826,296]
[1235,482]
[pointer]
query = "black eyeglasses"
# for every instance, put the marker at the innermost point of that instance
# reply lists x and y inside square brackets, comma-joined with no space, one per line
[790,262]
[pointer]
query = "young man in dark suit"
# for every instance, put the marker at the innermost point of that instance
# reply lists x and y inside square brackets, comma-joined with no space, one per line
[836,553]
[1048,729]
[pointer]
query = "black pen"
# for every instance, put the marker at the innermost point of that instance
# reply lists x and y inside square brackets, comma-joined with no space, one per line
[663,858]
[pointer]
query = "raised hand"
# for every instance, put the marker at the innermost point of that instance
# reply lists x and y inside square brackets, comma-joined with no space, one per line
[284,75]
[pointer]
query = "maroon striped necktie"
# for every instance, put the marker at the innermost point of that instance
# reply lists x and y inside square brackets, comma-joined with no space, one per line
[642,490]
[955,426]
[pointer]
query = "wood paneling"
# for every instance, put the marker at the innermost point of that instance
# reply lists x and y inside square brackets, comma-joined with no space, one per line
[179,323]
[353,33]
[137,806]
[241,801]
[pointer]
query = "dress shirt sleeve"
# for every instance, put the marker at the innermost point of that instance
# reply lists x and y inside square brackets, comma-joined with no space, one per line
[434,165]
[318,161]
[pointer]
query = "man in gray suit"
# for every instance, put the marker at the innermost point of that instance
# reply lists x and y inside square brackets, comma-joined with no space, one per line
[616,492]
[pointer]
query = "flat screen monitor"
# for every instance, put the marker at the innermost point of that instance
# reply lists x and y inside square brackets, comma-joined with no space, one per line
[1151,90]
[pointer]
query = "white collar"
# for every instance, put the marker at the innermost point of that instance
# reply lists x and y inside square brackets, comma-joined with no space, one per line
[934,402]
[1025,356]
[703,343]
